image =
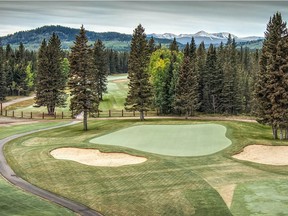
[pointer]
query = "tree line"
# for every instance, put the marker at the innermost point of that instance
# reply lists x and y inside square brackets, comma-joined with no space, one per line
[19,68]
[194,80]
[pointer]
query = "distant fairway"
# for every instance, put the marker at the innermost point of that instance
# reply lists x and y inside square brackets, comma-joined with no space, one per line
[172,140]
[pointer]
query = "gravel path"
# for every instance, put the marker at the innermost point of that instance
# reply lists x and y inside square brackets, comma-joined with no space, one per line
[5,104]
[9,174]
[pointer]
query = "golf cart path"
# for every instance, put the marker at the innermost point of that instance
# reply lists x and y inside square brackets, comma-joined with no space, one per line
[9,174]
[8,103]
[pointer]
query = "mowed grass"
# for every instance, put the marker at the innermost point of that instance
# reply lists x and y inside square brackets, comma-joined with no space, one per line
[14,201]
[117,87]
[114,99]
[163,185]
[172,140]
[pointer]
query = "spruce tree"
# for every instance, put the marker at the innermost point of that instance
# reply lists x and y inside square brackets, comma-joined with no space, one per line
[187,95]
[50,86]
[266,84]
[100,66]
[174,46]
[192,50]
[82,84]
[201,71]
[2,76]
[151,45]
[139,96]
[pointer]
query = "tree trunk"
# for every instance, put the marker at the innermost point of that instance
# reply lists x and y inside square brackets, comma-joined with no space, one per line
[286,133]
[142,115]
[275,132]
[281,133]
[85,123]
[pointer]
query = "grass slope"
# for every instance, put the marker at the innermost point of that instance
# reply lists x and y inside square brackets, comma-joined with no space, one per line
[161,186]
[14,201]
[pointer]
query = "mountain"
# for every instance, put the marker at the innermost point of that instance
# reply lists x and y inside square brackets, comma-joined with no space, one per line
[118,41]
[207,38]
[33,38]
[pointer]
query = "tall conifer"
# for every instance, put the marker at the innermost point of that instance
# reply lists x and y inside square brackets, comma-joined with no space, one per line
[100,66]
[139,96]
[82,84]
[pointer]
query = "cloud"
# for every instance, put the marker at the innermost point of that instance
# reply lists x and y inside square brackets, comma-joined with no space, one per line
[246,18]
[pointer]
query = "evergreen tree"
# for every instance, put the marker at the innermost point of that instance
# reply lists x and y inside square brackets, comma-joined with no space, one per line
[174,45]
[231,101]
[186,50]
[266,84]
[186,95]
[100,65]
[51,81]
[192,50]
[151,45]
[83,88]
[201,71]
[2,76]
[139,89]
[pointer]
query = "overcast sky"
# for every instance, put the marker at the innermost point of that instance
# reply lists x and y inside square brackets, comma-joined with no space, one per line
[237,17]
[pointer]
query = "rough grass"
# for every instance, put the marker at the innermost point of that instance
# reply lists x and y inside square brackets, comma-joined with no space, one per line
[14,201]
[161,186]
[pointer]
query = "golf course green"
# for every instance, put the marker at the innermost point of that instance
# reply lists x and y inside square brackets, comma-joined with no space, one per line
[171,140]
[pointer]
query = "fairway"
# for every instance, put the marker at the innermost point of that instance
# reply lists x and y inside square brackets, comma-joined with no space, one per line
[171,140]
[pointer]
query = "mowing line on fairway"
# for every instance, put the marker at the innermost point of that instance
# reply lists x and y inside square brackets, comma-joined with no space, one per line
[9,174]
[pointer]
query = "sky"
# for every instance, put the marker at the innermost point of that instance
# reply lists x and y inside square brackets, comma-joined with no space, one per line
[242,18]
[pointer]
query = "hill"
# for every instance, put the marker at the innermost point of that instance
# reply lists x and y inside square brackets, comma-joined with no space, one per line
[33,38]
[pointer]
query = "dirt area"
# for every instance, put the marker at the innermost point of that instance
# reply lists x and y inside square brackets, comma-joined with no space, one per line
[271,155]
[227,193]
[94,157]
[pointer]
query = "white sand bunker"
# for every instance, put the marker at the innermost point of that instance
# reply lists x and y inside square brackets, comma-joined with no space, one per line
[271,155]
[94,157]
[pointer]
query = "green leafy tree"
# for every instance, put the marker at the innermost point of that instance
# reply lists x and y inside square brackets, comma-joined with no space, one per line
[139,88]
[100,66]
[82,84]
[50,84]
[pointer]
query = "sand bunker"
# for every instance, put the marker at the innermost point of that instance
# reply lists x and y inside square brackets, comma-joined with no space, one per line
[94,157]
[271,155]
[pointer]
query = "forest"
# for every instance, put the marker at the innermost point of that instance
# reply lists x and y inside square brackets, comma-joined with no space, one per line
[218,80]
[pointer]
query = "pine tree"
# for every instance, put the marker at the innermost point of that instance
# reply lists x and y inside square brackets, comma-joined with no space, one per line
[83,88]
[51,81]
[174,46]
[265,81]
[2,76]
[101,69]
[186,50]
[192,50]
[186,95]
[201,70]
[151,45]
[140,92]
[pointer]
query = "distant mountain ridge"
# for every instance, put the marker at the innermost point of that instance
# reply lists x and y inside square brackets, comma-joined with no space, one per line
[117,41]
[214,38]
[33,38]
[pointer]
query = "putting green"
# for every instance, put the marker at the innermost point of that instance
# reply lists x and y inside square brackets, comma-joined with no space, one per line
[172,140]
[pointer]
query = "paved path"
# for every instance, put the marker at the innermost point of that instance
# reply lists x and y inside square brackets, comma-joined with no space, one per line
[9,174]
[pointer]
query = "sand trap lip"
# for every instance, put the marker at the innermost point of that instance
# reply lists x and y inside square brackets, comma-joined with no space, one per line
[270,155]
[94,157]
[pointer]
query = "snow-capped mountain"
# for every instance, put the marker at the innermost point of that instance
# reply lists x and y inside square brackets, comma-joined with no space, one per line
[207,38]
